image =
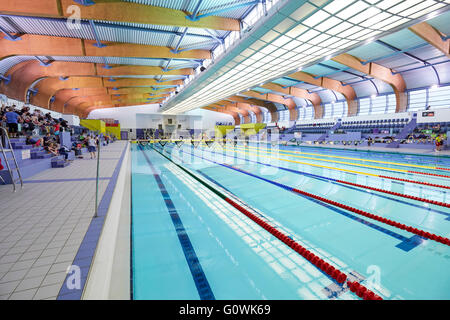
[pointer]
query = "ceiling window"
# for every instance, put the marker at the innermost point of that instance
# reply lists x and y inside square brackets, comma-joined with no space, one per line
[379,105]
[267,117]
[283,115]
[328,110]
[241,118]
[252,116]
[417,100]
[301,113]
[340,109]
[316,29]
[306,113]
[364,107]
[391,103]
[439,97]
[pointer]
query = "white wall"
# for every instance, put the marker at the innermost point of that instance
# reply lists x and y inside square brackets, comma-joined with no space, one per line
[147,116]
[71,119]
[125,115]
[210,118]
[153,120]
[440,115]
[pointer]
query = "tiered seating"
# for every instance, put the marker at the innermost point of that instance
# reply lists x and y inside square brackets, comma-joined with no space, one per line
[20,143]
[39,160]
[314,127]
[443,126]
[59,162]
[368,126]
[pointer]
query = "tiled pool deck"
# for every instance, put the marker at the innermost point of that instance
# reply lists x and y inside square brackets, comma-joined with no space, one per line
[43,226]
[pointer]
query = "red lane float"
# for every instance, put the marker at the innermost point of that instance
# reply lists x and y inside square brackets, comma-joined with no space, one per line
[321,264]
[395,224]
[418,182]
[429,174]
[362,292]
[438,203]
[448,169]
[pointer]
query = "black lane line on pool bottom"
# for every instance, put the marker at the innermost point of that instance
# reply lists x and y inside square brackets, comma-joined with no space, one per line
[202,284]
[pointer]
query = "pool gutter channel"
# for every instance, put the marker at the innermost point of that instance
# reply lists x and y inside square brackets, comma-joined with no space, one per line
[109,273]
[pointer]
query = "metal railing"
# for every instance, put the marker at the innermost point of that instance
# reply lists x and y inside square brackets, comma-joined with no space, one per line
[7,143]
[97,177]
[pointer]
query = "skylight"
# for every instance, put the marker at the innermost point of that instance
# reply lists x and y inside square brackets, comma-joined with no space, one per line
[313,31]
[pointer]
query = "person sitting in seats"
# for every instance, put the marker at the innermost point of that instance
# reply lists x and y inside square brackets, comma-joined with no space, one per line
[53,148]
[64,124]
[77,148]
[47,140]
[35,141]
[65,152]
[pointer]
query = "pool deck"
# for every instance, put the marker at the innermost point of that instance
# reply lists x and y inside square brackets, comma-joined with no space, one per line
[44,227]
[422,152]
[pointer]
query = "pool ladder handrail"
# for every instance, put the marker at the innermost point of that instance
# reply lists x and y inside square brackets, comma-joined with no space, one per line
[11,170]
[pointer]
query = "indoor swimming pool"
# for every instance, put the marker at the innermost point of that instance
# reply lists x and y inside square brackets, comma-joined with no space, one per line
[268,222]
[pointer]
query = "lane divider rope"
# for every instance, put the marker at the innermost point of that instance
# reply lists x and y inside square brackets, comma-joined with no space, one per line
[364,160]
[339,276]
[358,172]
[438,203]
[392,223]
[365,165]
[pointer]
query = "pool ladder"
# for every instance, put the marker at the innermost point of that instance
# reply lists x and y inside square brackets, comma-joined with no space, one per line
[10,169]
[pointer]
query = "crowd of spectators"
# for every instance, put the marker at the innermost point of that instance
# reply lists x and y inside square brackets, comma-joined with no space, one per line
[39,129]
[90,141]
[42,130]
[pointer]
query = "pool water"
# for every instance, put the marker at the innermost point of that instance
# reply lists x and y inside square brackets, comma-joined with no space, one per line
[188,243]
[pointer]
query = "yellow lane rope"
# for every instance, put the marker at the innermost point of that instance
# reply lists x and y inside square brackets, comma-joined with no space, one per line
[310,164]
[340,162]
[349,158]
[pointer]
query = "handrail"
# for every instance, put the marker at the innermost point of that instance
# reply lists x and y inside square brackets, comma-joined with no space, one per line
[97,178]
[5,134]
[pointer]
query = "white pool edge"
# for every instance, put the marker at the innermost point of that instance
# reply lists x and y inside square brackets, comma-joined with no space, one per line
[109,275]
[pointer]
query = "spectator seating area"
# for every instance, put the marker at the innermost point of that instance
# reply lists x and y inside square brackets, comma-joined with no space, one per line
[375,126]
[400,130]
[41,143]
[436,127]
[313,127]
